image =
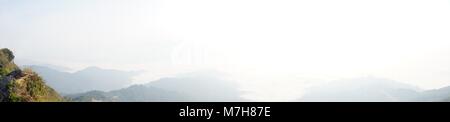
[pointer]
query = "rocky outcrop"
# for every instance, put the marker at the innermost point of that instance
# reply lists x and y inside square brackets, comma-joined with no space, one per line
[17,85]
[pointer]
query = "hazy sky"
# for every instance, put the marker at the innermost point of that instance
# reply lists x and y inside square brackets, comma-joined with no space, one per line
[274,46]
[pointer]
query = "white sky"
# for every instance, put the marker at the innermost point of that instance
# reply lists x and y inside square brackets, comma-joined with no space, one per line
[273,47]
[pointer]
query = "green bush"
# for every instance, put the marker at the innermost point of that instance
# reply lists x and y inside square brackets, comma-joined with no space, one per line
[4,71]
[6,54]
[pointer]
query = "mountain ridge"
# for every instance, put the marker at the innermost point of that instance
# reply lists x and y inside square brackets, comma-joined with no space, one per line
[364,89]
[190,87]
[88,79]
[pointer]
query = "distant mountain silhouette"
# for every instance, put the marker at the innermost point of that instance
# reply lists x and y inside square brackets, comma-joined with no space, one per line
[27,62]
[91,78]
[135,93]
[198,86]
[435,95]
[209,86]
[367,89]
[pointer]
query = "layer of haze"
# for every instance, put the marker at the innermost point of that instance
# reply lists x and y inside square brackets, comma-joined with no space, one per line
[274,48]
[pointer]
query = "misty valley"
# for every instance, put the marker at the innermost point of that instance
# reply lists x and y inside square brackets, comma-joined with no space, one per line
[93,84]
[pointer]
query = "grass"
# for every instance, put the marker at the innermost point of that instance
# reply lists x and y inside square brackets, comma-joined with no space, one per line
[32,88]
